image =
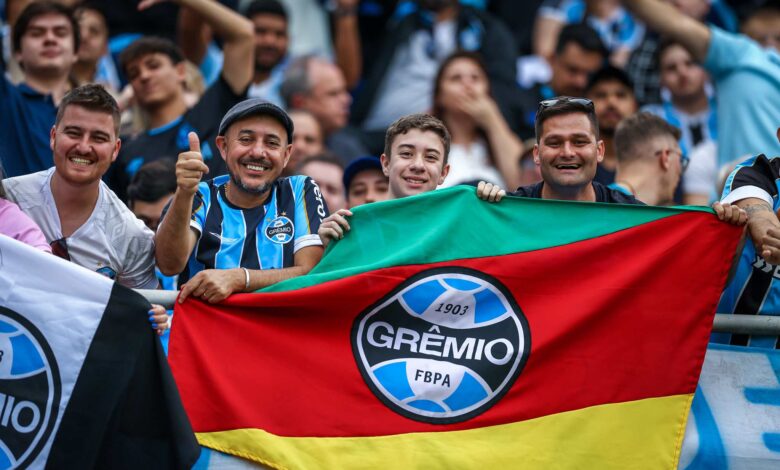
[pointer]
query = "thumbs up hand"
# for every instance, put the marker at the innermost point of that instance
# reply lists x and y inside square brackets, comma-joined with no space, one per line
[190,167]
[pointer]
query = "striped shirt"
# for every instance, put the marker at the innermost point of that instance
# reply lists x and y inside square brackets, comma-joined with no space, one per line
[755,288]
[262,237]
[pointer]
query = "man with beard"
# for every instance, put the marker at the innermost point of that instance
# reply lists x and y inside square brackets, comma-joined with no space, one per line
[246,230]
[612,94]
[269,19]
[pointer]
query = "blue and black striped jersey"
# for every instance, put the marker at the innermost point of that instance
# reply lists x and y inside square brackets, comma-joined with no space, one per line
[263,237]
[755,288]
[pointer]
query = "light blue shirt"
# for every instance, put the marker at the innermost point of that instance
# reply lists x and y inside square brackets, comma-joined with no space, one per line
[747,85]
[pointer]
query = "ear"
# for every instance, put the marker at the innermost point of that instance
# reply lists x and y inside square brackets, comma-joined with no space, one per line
[444,172]
[222,147]
[536,154]
[665,160]
[385,161]
[52,133]
[287,154]
[600,147]
[181,71]
[116,149]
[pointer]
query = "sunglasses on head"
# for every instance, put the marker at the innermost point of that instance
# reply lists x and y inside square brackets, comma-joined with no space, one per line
[544,104]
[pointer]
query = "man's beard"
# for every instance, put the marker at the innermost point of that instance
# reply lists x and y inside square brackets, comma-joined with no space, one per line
[262,189]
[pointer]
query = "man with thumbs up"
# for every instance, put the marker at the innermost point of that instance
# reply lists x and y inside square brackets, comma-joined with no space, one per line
[250,228]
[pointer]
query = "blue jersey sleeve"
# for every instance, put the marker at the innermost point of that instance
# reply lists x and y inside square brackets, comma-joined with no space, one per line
[310,209]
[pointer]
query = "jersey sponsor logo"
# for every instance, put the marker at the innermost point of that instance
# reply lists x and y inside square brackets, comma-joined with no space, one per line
[107,271]
[444,346]
[30,390]
[761,264]
[280,230]
[318,198]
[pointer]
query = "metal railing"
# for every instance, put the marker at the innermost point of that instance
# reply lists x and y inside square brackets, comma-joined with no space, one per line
[724,323]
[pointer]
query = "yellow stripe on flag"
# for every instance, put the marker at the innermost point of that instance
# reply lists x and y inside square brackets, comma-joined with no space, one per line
[637,435]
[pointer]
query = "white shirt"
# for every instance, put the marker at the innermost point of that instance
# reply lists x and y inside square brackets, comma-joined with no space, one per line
[112,241]
[469,163]
[408,85]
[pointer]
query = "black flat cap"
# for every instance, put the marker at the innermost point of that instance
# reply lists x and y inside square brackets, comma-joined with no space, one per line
[257,107]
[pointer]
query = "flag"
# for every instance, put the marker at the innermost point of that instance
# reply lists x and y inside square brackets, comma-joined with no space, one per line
[443,331]
[83,381]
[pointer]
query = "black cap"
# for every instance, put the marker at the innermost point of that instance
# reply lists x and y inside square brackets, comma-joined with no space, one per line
[610,73]
[256,107]
[358,165]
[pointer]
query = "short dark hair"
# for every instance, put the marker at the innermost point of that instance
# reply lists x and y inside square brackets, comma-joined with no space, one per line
[149,45]
[663,45]
[610,73]
[154,180]
[423,122]
[265,7]
[92,97]
[582,35]
[566,105]
[36,9]
[635,131]
[324,157]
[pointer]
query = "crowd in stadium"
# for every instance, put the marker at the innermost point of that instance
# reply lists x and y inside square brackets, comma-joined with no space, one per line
[219,146]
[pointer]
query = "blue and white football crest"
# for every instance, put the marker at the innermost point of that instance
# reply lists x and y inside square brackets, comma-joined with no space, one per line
[444,346]
[29,390]
[281,230]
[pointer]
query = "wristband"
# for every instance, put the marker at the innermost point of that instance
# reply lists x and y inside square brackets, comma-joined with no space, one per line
[246,277]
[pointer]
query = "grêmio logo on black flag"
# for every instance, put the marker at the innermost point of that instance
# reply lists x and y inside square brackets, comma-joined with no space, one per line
[30,390]
[442,347]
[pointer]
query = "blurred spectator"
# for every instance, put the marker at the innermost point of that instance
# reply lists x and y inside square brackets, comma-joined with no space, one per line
[688,104]
[415,161]
[402,77]
[643,64]
[612,94]
[746,76]
[150,190]
[156,70]
[364,182]
[83,221]
[94,64]
[308,27]
[578,54]
[649,160]
[16,224]
[619,32]
[11,11]
[45,40]
[270,23]
[327,172]
[483,146]
[317,86]
[307,140]
[763,26]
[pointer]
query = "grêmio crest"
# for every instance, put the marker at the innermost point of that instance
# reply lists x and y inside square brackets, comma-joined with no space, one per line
[444,346]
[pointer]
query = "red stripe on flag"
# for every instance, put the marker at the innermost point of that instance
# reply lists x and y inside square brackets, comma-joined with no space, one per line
[612,319]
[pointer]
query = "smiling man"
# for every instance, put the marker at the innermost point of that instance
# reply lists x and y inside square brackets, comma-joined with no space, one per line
[414,161]
[250,228]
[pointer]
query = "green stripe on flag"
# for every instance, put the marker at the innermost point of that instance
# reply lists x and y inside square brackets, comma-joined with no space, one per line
[450,224]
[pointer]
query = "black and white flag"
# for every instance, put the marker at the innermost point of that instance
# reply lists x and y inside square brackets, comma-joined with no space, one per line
[83,379]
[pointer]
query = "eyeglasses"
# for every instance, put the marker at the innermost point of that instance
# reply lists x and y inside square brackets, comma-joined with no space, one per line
[544,104]
[684,160]
[59,248]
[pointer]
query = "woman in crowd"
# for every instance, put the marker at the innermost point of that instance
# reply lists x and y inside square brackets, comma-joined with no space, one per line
[483,145]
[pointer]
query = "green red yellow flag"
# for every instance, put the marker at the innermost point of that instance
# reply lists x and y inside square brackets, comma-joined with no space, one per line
[447,332]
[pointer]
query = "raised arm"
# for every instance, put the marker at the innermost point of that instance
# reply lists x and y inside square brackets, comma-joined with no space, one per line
[175,239]
[346,41]
[667,21]
[235,31]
